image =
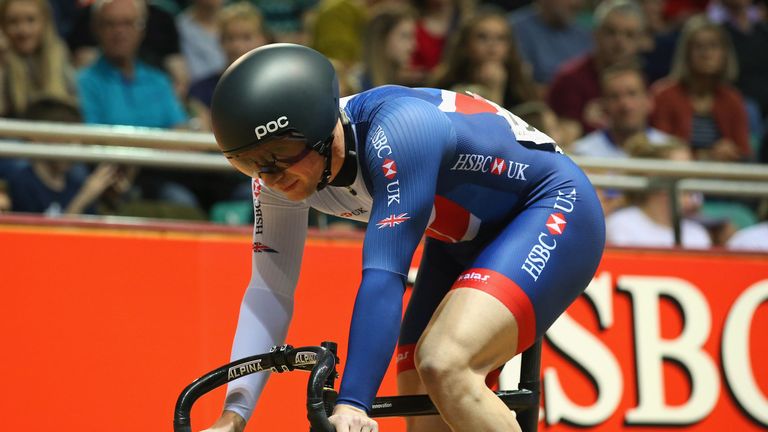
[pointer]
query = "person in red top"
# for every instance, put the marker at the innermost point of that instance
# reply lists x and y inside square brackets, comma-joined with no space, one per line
[438,19]
[575,90]
[696,102]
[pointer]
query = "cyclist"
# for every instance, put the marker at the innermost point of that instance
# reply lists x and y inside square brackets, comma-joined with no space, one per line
[514,230]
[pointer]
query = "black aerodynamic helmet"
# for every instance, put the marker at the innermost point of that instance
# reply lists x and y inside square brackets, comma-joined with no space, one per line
[272,91]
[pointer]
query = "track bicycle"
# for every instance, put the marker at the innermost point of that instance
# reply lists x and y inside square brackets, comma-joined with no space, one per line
[320,362]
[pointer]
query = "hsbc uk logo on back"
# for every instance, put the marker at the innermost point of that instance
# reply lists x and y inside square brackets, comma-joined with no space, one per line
[380,143]
[538,256]
[494,165]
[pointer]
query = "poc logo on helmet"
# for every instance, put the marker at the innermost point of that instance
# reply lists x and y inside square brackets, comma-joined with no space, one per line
[271,127]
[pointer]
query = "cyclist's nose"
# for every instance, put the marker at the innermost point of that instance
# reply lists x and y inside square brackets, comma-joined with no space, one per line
[272,179]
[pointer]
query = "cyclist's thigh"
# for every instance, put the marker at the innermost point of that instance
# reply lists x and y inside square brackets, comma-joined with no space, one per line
[437,272]
[543,259]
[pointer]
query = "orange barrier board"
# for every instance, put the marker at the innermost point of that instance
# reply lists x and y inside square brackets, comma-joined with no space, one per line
[102,329]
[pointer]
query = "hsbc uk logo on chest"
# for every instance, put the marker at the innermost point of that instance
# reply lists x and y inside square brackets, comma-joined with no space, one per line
[380,143]
[258,222]
[494,165]
[538,257]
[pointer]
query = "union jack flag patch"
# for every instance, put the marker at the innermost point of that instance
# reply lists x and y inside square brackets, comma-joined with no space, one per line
[260,247]
[392,220]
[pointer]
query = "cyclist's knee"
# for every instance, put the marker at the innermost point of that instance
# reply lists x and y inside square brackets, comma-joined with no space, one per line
[440,361]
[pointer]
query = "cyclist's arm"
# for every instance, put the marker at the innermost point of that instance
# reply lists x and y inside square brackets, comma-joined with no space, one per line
[417,133]
[280,228]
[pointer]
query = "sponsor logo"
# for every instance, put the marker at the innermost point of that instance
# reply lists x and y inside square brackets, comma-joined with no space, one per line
[393,192]
[484,163]
[498,166]
[260,247]
[271,127]
[402,356]
[356,212]
[556,223]
[256,188]
[380,143]
[258,219]
[244,369]
[537,258]
[304,358]
[392,220]
[565,201]
[389,167]
[474,276]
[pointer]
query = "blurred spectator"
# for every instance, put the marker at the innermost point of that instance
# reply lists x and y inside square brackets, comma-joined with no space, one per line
[337,30]
[36,62]
[390,40]
[678,11]
[199,39]
[576,88]
[696,103]
[159,47]
[120,89]
[547,36]
[749,33]
[483,58]
[539,115]
[57,187]
[117,87]
[438,19]
[285,18]
[349,78]
[659,41]
[627,105]
[5,199]
[241,29]
[753,238]
[647,222]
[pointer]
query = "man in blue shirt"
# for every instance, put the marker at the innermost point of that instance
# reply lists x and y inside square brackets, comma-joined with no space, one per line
[118,88]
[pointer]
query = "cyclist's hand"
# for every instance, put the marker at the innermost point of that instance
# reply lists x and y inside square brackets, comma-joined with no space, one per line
[350,419]
[228,422]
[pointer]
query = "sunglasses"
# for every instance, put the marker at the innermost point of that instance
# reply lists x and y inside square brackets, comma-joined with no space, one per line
[270,159]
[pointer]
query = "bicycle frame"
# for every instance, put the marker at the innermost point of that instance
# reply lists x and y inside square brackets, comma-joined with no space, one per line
[321,362]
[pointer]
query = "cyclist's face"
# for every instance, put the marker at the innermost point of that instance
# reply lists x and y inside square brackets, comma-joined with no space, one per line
[286,165]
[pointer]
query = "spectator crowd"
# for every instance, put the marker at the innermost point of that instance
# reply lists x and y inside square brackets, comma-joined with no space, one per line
[679,80]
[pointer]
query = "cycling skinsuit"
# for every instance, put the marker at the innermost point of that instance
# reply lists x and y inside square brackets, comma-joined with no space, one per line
[503,210]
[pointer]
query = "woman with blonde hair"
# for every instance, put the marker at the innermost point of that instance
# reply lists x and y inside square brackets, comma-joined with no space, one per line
[36,64]
[697,102]
[483,58]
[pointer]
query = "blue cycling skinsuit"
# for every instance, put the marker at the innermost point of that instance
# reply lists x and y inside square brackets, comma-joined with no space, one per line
[503,210]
